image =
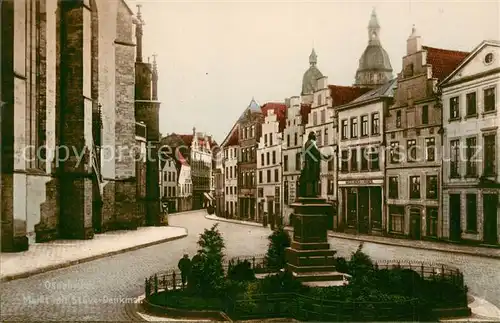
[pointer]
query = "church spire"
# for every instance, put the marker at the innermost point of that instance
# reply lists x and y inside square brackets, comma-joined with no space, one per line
[373,29]
[154,79]
[313,58]
[138,33]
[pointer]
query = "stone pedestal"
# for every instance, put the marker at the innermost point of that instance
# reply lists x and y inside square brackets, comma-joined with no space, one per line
[309,257]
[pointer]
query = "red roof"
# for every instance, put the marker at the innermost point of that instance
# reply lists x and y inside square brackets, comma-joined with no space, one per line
[188,139]
[279,110]
[233,140]
[443,61]
[304,112]
[345,94]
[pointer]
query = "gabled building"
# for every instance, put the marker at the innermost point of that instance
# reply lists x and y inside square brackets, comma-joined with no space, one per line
[168,184]
[184,185]
[413,135]
[296,119]
[471,169]
[361,163]
[230,147]
[269,164]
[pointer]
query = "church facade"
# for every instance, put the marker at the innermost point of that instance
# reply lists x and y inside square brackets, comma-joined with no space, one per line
[68,75]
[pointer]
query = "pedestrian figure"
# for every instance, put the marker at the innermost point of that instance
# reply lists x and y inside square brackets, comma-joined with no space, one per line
[185,267]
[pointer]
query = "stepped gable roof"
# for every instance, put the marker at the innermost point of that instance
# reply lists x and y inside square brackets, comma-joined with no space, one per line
[279,110]
[344,94]
[233,140]
[305,109]
[443,61]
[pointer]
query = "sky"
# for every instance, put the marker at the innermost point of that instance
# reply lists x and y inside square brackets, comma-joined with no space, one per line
[213,57]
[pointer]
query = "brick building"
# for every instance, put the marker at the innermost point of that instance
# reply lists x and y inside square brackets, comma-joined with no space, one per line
[269,163]
[61,89]
[249,126]
[413,137]
[471,169]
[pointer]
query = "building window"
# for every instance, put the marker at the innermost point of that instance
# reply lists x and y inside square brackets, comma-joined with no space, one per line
[454,158]
[375,124]
[265,139]
[394,152]
[260,176]
[364,159]
[330,165]
[285,192]
[319,100]
[488,58]
[276,175]
[425,114]
[288,140]
[432,187]
[323,116]
[398,119]
[252,131]
[318,138]
[354,127]
[414,187]
[364,126]
[298,163]
[471,209]
[430,149]
[374,163]
[285,163]
[262,159]
[315,118]
[354,159]
[267,158]
[295,139]
[270,139]
[397,218]
[344,162]
[344,129]
[268,176]
[489,99]
[325,137]
[454,108]
[432,221]
[274,157]
[411,146]
[393,187]
[330,187]
[470,168]
[489,155]
[471,104]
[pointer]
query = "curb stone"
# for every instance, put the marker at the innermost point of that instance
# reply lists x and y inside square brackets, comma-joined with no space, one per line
[88,259]
[357,238]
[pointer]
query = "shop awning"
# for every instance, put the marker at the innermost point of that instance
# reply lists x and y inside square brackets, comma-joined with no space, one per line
[208,197]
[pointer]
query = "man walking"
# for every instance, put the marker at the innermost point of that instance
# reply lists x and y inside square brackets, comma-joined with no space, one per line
[185,268]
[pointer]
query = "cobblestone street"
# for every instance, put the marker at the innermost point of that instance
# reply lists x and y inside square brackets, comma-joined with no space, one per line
[96,290]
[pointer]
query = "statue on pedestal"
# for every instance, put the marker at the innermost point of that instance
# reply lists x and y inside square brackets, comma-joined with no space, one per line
[309,180]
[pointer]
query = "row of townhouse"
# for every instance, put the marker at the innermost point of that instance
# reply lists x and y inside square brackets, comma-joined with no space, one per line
[415,156]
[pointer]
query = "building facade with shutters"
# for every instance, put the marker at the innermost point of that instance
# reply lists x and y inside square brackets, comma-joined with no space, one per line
[471,171]
[269,164]
[361,161]
[413,140]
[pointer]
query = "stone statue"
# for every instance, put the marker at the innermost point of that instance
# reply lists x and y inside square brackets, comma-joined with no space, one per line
[309,176]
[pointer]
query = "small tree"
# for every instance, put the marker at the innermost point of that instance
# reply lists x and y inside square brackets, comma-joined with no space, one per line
[207,272]
[279,240]
[360,266]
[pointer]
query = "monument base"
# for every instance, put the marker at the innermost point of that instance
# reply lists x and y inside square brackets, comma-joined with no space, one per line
[309,257]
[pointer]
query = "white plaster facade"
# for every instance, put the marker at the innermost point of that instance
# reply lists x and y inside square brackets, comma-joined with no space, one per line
[474,87]
[184,187]
[292,148]
[169,182]
[269,168]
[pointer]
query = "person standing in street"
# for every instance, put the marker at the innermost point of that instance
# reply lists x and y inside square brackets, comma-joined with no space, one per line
[185,268]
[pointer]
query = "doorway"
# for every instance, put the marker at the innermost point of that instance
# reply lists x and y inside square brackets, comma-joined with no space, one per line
[364,213]
[490,226]
[376,207]
[352,208]
[455,229]
[415,224]
[270,213]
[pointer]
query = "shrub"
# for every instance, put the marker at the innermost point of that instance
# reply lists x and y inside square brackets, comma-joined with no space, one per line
[207,272]
[279,240]
[282,282]
[341,265]
[242,271]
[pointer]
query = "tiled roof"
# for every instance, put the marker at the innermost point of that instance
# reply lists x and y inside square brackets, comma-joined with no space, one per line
[279,110]
[443,61]
[233,140]
[304,112]
[385,90]
[345,94]
[188,139]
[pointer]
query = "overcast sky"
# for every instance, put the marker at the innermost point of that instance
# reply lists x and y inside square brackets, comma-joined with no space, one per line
[214,56]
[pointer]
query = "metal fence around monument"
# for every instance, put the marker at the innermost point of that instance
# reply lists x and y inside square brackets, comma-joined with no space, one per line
[308,308]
